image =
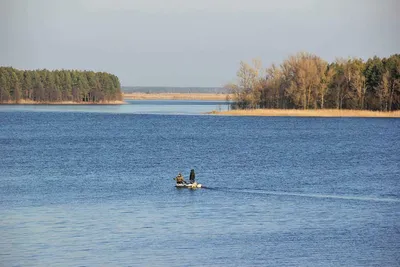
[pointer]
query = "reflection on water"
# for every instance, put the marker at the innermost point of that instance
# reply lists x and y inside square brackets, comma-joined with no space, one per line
[131,106]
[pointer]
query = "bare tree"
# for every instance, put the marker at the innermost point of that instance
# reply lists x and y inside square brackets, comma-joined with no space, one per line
[326,80]
[247,91]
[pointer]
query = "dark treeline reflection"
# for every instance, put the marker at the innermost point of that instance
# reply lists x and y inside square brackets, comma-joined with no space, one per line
[305,81]
[57,86]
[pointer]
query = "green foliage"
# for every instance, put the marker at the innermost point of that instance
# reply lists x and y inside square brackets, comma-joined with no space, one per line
[58,86]
[15,88]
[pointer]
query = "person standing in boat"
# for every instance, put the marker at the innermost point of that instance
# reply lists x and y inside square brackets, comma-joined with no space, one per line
[179,179]
[192,176]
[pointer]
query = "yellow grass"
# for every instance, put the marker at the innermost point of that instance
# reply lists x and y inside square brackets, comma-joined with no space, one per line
[31,102]
[309,113]
[175,96]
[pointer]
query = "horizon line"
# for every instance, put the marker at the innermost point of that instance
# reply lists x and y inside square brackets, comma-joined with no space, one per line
[168,86]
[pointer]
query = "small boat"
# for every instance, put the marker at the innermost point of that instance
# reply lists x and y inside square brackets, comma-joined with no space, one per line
[190,186]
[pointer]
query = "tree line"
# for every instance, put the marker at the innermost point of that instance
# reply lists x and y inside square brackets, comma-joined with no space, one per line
[58,86]
[305,81]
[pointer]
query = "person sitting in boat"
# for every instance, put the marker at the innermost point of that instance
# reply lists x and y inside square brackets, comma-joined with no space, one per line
[179,179]
[192,176]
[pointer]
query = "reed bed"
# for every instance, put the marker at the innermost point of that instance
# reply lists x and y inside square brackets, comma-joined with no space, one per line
[175,96]
[310,113]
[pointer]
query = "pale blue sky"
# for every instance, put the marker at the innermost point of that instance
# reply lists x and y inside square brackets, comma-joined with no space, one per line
[189,42]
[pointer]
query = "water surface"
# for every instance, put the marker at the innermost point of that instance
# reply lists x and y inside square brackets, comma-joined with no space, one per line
[131,107]
[95,188]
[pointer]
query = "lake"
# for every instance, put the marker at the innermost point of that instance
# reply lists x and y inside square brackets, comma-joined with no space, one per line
[177,107]
[93,186]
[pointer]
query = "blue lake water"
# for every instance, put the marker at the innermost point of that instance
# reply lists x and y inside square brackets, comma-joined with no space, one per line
[176,107]
[93,186]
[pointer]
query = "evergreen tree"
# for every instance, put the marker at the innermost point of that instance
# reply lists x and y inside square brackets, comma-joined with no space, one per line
[16,93]
[4,92]
[67,86]
[54,86]
[27,85]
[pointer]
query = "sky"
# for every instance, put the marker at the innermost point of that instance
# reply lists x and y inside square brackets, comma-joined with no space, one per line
[190,42]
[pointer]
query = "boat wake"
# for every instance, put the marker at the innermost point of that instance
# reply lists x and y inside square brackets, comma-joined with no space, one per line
[294,194]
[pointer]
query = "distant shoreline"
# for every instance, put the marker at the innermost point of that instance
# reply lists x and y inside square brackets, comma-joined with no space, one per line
[309,113]
[175,96]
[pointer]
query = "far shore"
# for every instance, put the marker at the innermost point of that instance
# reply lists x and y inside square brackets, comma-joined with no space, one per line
[175,96]
[309,113]
[30,102]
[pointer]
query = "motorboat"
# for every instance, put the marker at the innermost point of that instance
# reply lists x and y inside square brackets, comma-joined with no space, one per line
[194,185]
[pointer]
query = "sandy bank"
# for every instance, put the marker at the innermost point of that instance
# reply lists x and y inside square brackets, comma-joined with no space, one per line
[309,113]
[175,96]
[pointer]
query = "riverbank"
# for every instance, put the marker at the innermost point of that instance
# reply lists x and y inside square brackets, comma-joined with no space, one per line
[30,102]
[309,113]
[175,96]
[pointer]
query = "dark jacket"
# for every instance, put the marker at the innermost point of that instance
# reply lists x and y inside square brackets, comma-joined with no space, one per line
[192,176]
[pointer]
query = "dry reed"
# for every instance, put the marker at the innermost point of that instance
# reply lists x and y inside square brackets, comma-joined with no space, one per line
[309,113]
[175,96]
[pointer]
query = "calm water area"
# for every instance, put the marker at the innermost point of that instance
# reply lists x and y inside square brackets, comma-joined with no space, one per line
[93,186]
